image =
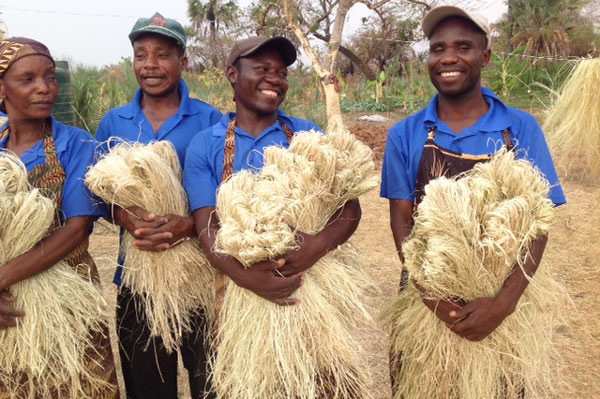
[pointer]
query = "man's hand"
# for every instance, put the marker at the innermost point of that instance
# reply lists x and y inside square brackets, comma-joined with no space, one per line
[134,218]
[164,236]
[152,232]
[478,319]
[7,312]
[310,250]
[262,278]
[442,309]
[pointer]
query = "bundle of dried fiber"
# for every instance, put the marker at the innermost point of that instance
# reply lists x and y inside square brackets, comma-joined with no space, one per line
[177,283]
[468,234]
[573,123]
[50,348]
[306,351]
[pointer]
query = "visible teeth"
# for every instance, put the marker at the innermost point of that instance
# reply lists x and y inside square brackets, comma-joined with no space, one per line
[448,74]
[270,93]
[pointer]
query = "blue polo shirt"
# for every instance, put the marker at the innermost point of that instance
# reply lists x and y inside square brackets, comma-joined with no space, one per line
[75,151]
[406,139]
[130,123]
[204,160]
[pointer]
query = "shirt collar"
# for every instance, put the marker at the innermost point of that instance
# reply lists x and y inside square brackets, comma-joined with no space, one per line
[60,139]
[496,119]
[225,119]
[134,108]
[37,150]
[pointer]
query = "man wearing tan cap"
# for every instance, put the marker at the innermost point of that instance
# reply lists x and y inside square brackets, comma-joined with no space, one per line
[461,126]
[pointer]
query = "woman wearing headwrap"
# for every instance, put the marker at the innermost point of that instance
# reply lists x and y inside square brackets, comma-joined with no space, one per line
[56,157]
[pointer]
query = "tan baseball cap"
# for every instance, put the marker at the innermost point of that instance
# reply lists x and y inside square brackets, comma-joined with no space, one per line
[436,15]
[247,47]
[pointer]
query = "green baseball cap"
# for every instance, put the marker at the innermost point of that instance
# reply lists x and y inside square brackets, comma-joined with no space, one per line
[159,25]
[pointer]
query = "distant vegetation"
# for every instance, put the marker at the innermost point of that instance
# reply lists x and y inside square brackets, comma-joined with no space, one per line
[378,67]
[520,81]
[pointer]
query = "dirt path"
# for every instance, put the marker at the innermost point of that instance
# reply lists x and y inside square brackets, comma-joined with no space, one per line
[573,252]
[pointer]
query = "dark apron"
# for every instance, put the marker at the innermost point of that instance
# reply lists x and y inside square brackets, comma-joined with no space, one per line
[49,178]
[436,162]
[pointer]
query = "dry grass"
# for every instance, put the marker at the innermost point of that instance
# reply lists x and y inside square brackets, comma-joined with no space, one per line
[469,232]
[309,350]
[571,254]
[50,347]
[573,123]
[149,176]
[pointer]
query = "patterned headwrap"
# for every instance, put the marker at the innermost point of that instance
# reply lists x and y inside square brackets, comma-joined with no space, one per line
[15,48]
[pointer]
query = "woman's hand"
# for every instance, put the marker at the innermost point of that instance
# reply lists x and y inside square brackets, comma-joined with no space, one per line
[8,314]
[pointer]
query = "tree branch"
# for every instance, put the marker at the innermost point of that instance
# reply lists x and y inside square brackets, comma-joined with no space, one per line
[421,3]
[326,13]
[289,16]
[365,69]
[374,6]
[263,18]
[336,35]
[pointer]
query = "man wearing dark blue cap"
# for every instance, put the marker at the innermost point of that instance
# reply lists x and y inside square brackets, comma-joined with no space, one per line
[161,110]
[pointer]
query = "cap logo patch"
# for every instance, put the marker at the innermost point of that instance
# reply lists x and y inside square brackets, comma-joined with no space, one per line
[157,21]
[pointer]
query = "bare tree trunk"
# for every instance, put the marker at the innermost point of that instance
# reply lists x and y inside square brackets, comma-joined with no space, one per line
[212,23]
[325,72]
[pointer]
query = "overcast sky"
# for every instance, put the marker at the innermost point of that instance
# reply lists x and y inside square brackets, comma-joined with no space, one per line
[95,32]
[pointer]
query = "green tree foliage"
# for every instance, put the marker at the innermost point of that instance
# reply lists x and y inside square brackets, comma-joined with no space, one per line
[216,24]
[546,27]
[387,37]
[317,18]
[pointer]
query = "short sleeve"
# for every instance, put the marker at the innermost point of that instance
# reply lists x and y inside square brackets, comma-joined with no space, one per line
[102,135]
[198,178]
[215,116]
[77,200]
[395,181]
[531,145]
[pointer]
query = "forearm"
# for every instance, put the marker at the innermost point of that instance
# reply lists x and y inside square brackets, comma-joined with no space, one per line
[113,214]
[340,226]
[206,228]
[46,253]
[188,228]
[401,222]
[516,283]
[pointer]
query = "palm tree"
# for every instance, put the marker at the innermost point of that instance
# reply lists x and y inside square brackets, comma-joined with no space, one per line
[542,26]
[211,22]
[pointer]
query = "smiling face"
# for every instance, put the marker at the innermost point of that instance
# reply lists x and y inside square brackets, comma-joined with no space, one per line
[29,88]
[457,53]
[158,63]
[259,82]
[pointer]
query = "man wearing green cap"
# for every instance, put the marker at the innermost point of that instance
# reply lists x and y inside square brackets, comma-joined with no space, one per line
[161,110]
